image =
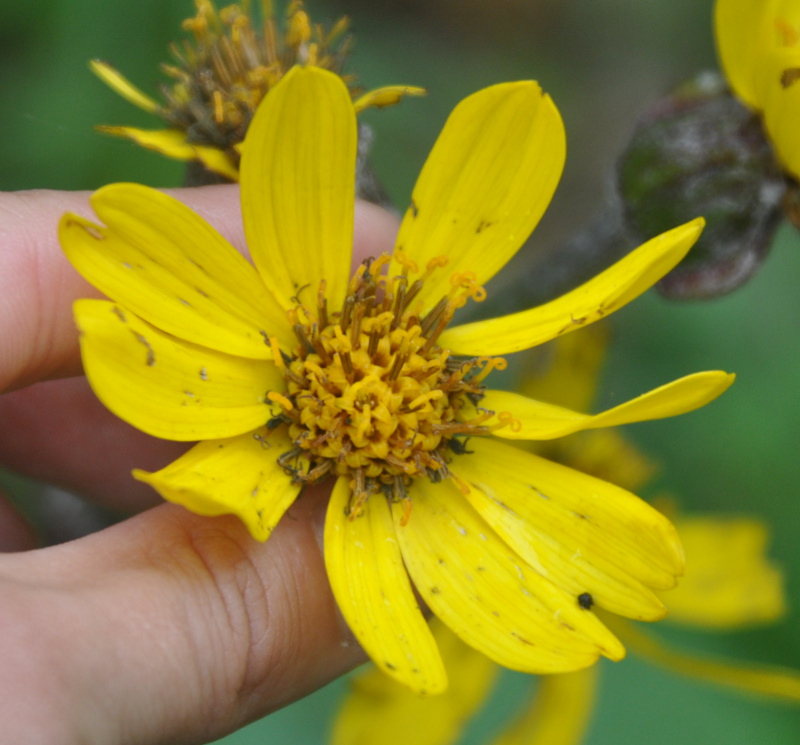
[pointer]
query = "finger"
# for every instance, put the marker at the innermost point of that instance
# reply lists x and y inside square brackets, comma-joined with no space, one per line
[16,533]
[167,628]
[38,285]
[58,432]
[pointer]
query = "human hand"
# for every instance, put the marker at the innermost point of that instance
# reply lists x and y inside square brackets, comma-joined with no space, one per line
[168,627]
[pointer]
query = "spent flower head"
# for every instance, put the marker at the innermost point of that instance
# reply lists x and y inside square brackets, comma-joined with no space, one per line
[223,70]
[293,372]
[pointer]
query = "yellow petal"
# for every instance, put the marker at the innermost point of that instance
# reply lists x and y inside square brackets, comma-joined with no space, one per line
[741,29]
[123,86]
[593,300]
[781,103]
[167,387]
[475,583]
[169,142]
[160,260]
[372,589]
[485,185]
[217,161]
[389,95]
[298,186]
[559,713]
[379,711]
[235,476]
[586,535]
[543,421]
[730,583]
[767,680]
[603,453]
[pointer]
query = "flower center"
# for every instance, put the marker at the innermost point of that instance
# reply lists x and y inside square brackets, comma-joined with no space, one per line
[370,395]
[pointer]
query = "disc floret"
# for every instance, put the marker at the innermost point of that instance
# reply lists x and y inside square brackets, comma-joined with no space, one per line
[369,393]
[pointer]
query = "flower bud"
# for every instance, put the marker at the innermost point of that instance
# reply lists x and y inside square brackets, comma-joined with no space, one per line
[699,152]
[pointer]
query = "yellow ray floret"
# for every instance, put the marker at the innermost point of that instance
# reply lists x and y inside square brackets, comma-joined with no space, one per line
[759,49]
[593,300]
[378,711]
[371,586]
[585,534]
[123,86]
[166,387]
[487,595]
[559,713]
[543,421]
[766,680]
[485,184]
[389,95]
[231,477]
[302,142]
[730,583]
[159,260]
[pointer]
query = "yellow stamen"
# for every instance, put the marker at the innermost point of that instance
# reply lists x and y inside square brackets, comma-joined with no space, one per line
[277,357]
[280,399]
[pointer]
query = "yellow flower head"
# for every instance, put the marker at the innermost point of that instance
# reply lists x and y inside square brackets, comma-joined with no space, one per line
[759,47]
[224,71]
[293,371]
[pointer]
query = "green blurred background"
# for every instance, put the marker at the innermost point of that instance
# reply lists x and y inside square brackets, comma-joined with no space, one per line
[603,61]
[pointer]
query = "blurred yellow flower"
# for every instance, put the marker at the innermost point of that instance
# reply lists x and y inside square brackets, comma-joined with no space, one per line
[758,43]
[729,581]
[295,371]
[222,75]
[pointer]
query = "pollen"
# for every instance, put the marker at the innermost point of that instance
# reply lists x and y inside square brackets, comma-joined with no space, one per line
[369,393]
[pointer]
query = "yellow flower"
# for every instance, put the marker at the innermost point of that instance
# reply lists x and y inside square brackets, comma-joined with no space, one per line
[225,73]
[758,42]
[294,371]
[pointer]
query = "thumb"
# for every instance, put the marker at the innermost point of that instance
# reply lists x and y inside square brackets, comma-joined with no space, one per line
[167,628]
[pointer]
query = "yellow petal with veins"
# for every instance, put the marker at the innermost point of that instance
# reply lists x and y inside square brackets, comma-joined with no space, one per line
[389,95]
[585,534]
[593,300]
[235,476]
[477,585]
[372,589]
[298,186]
[167,387]
[485,185]
[163,262]
[123,86]
[543,421]
[169,142]
[559,713]
[379,711]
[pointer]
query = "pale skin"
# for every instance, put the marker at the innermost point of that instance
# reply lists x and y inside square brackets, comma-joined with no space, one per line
[167,627]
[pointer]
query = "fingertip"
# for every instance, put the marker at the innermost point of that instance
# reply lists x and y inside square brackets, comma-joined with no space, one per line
[375,231]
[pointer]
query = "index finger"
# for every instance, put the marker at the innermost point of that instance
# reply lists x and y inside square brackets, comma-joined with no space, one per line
[38,285]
